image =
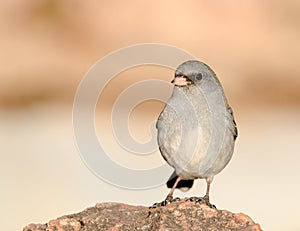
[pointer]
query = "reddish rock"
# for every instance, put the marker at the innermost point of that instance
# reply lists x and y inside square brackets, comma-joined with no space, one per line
[179,215]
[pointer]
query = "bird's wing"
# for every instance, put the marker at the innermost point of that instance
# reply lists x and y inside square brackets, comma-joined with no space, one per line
[233,123]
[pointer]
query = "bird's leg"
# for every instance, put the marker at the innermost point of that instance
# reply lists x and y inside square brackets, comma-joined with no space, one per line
[206,197]
[169,197]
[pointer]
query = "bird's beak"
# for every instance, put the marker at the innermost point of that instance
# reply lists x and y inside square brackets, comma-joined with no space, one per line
[181,81]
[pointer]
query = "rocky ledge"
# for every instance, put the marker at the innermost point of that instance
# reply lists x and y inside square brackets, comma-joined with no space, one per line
[182,214]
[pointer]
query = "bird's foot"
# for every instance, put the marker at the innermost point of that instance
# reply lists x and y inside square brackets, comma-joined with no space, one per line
[196,199]
[167,201]
[202,200]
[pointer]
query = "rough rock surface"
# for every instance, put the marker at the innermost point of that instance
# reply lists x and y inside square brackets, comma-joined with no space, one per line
[179,215]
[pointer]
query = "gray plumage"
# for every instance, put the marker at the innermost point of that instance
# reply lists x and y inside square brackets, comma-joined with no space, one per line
[196,129]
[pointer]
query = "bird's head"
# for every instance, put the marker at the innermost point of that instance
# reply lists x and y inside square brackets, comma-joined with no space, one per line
[192,72]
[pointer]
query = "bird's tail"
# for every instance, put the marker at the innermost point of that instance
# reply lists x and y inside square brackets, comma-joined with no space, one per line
[183,185]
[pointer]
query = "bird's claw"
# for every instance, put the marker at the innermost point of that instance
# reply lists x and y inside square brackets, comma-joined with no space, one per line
[202,200]
[167,201]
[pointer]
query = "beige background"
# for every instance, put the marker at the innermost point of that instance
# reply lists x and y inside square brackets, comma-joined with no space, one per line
[48,46]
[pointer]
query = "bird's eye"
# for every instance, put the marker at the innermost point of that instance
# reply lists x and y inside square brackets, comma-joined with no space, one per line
[199,76]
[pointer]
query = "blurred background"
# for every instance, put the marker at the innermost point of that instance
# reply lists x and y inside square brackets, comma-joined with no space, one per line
[48,46]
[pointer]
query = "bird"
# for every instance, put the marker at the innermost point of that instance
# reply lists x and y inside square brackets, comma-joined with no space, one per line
[196,130]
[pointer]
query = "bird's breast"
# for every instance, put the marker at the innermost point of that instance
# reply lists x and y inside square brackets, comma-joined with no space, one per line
[191,132]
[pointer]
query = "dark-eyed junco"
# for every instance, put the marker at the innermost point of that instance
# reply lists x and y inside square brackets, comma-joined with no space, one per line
[196,129]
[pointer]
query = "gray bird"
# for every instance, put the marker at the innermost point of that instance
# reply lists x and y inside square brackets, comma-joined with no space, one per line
[196,129]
